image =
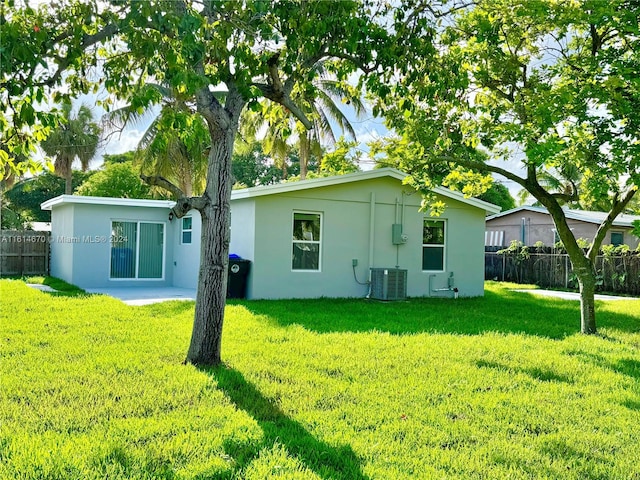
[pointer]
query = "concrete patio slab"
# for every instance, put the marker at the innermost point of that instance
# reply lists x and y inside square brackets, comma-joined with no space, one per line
[146,295]
[571,295]
[42,288]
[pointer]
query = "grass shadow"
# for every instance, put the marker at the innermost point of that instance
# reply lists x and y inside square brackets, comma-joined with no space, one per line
[60,287]
[631,404]
[537,373]
[327,461]
[629,367]
[626,366]
[500,310]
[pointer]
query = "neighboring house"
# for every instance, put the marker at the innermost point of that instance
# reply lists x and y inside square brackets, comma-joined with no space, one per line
[534,224]
[305,239]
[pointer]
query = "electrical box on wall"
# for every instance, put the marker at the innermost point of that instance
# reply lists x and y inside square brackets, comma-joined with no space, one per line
[397,237]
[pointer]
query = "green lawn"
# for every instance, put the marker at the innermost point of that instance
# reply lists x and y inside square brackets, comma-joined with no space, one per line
[498,387]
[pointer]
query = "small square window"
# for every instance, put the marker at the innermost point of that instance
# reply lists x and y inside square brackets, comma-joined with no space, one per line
[617,238]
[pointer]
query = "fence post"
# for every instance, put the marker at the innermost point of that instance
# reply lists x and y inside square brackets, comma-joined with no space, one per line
[21,256]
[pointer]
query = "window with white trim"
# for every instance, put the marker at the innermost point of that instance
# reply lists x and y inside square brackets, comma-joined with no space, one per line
[433,245]
[187,230]
[307,228]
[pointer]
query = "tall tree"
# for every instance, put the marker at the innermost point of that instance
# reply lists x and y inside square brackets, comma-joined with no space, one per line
[254,49]
[119,180]
[75,138]
[177,151]
[554,84]
[568,179]
[26,196]
[499,195]
[343,159]
[176,143]
[251,166]
[319,101]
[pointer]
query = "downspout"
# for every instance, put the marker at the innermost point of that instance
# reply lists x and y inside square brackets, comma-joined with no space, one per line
[372,231]
[395,220]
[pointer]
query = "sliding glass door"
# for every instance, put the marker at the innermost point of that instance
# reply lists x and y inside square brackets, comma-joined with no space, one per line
[137,250]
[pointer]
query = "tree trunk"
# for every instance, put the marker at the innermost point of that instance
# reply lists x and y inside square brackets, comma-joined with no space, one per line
[68,182]
[205,347]
[583,265]
[305,150]
[188,184]
[587,282]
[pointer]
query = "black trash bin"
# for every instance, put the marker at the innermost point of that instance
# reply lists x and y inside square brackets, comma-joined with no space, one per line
[237,277]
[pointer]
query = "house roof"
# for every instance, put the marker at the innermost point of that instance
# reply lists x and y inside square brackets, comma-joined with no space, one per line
[274,189]
[354,177]
[622,220]
[125,202]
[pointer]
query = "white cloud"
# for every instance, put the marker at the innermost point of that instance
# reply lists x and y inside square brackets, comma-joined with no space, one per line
[117,143]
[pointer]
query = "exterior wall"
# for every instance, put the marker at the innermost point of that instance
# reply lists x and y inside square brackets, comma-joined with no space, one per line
[261,232]
[81,248]
[186,258]
[540,227]
[345,236]
[243,227]
[243,234]
[62,227]
[185,262]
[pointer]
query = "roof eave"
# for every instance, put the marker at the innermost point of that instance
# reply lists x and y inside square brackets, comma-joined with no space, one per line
[354,177]
[123,202]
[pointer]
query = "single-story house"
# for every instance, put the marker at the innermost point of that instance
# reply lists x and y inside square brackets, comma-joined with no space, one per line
[534,224]
[346,236]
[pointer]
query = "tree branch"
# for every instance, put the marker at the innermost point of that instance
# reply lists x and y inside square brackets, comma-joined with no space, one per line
[87,41]
[481,166]
[185,204]
[284,100]
[616,209]
[565,197]
[158,181]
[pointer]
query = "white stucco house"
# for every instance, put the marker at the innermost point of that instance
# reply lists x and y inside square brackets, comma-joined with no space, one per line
[345,236]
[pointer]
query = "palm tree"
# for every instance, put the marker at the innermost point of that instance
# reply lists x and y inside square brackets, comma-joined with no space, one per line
[319,105]
[75,138]
[176,144]
[566,180]
[177,154]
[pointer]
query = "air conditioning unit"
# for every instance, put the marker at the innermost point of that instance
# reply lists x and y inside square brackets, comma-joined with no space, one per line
[388,284]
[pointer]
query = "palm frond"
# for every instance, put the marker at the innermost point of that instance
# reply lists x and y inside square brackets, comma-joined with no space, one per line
[149,135]
[331,110]
[323,127]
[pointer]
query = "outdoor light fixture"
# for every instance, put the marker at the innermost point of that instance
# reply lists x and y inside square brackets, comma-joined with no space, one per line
[170,216]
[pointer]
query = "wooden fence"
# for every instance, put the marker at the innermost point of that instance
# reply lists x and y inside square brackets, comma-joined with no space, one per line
[24,253]
[551,269]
